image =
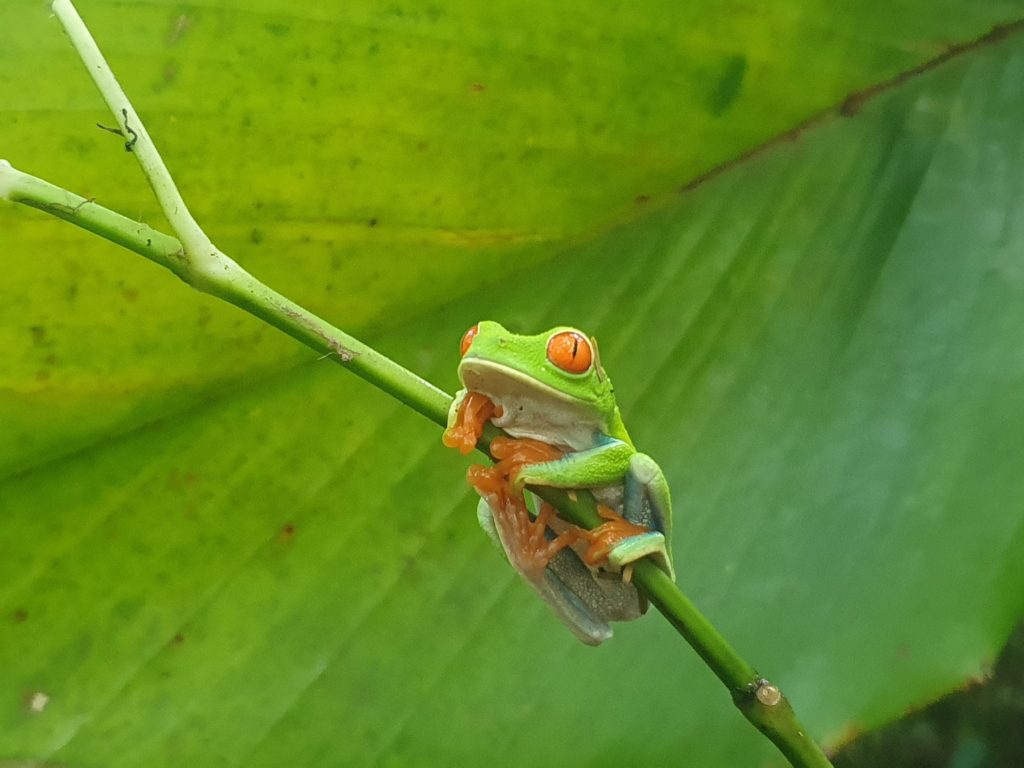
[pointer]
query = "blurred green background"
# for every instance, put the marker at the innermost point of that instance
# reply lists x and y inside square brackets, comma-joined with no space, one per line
[218,550]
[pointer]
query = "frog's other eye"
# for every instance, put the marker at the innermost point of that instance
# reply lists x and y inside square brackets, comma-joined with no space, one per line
[570,351]
[468,337]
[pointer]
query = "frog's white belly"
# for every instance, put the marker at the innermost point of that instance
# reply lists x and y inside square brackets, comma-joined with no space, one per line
[532,409]
[558,427]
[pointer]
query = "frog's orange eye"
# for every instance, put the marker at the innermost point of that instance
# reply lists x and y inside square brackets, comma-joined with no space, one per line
[570,351]
[468,337]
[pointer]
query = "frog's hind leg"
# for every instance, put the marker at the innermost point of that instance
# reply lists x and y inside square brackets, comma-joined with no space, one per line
[646,503]
[555,571]
[584,603]
[529,544]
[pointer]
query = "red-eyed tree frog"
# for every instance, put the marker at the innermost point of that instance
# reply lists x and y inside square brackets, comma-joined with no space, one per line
[551,388]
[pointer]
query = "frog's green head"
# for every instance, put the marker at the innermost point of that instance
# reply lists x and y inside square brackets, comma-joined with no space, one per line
[553,376]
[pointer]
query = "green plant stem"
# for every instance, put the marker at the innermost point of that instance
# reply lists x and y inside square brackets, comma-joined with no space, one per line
[199,263]
[761,702]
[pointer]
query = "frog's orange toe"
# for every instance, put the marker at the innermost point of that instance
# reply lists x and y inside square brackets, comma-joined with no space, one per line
[474,411]
[460,438]
[515,453]
[603,539]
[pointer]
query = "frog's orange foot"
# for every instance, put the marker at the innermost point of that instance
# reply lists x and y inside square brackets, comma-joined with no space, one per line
[515,453]
[525,539]
[603,539]
[474,411]
[548,548]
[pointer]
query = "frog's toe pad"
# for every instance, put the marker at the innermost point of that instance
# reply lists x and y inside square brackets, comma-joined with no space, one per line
[635,547]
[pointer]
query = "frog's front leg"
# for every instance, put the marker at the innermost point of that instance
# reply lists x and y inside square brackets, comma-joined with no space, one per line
[467,415]
[646,500]
[605,464]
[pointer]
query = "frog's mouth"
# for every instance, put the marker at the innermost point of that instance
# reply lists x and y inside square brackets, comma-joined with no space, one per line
[529,408]
[499,382]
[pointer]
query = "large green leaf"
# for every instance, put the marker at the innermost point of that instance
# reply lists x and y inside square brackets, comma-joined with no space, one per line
[817,345]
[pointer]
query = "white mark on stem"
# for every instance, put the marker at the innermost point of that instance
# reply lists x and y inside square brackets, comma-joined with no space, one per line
[768,694]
